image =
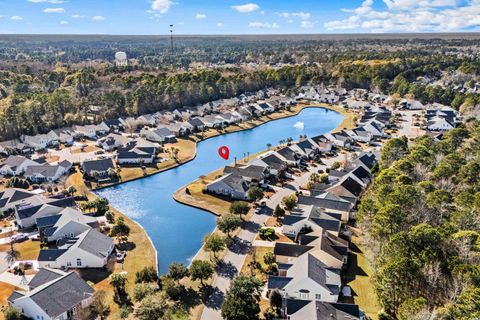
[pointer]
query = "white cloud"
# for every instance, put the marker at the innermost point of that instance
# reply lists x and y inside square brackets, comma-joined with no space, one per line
[181,23]
[54,10]
[64,22]
[47,1]
[246,8]
[263,25]
[411,16]
[290,15]
[199,16]
[221,24]
[78,16]
[17,18]
[98,18]
[307,24]
[162,6]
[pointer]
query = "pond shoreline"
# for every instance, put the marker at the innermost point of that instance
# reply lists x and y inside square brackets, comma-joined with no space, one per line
[343,112]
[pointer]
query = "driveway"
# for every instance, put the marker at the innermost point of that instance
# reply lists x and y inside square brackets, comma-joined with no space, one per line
[3,262]
[235,257]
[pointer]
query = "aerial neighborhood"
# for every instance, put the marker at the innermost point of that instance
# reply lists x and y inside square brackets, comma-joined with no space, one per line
[324,176]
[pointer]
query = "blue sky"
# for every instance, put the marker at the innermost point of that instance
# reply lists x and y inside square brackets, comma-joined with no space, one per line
[237,17]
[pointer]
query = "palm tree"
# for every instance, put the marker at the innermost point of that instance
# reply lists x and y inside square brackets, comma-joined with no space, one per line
[12,254]
[269,145]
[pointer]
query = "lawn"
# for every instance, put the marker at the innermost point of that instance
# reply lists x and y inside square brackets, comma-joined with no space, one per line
[358,277]
[5,292]
[28,249]
[140,254]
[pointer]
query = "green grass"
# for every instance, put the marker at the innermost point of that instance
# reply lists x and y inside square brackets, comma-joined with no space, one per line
[359,277]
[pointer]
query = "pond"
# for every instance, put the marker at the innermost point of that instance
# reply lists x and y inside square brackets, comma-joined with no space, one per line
[177,230]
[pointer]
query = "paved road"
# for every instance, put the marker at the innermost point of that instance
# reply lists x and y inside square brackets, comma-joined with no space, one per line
[406,126]
[236,254]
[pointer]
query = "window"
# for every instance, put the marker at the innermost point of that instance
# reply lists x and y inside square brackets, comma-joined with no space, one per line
[318,297]
[79,262]
[69,264]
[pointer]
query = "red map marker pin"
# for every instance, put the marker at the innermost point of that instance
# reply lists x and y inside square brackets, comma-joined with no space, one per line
[223,151]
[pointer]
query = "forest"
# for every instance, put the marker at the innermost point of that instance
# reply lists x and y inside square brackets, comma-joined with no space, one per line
[51,81]
[421,216]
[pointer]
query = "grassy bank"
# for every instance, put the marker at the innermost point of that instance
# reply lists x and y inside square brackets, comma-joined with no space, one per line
[141,252]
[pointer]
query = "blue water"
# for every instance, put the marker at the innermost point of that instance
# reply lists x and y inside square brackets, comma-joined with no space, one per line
[177,230]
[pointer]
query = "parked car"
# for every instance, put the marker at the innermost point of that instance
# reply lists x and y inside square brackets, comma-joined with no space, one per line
[19,237]
[35,237]
[258,210]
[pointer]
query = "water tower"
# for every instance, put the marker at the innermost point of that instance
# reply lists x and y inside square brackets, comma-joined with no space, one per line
[121,58]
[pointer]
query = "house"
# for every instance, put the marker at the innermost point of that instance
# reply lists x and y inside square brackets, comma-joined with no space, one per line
[197,124]
[289,156]
[245,113]
[53,294]
[327,247]
[360,134]
[113,141]
[375,128]
[37,142]
[212,122]
[26,213]
[160,134]
[16,165]
[411,104]
[44,173]
[309,217]
[347,188]
[308,147]
[99,167]
[63,135]
[438,123]
[11,197]
[113,124]
[266,107]
[273,161]
[90,249]
[308,279]
[230,185]
[68,223]
[251,173]
[329,202]
[136,153]
[340,139]
[295,309]
[180,129]
[147,119]
[13,146]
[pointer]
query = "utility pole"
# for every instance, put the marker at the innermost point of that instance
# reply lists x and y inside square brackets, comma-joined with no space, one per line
[171,37]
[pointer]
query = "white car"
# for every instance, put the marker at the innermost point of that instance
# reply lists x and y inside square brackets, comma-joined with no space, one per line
[19,237]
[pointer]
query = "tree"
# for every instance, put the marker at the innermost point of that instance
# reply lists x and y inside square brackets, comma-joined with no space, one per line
[12,255]
[255,193]
[152,307]
[118,281]
[178,271]
[10,313]
[276,299]
[278,212]
[214,243]
[201,270]
[228,223]
[241,302]
[99,306]
[269,259]
[239,208]
[147,274]
[290,202]
[141,290]
[120,229]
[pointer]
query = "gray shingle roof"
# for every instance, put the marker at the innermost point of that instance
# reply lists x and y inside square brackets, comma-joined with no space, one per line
[61,295]
[43,276]
[96,243]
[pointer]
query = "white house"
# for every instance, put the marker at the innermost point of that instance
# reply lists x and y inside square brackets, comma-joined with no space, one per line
[28,212]
[308,279]
[160,134]
[37,142]
[411,104]
[44,173]
[16,165]
[439,124]
[53,294]
[90,249]
[68,223]
[61,136]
